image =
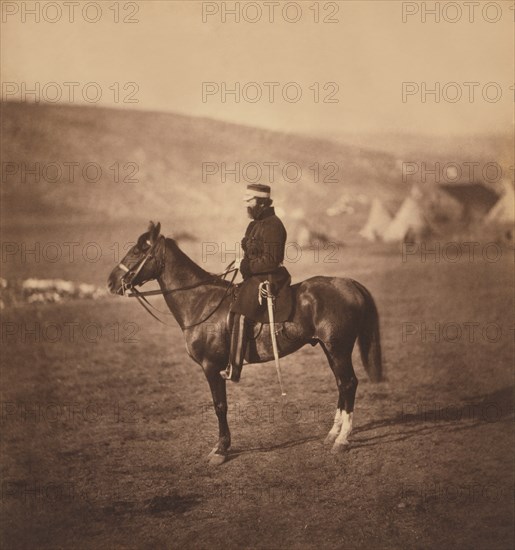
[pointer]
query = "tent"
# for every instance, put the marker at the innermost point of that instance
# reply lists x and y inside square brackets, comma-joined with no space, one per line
[378,220]
[301,234]
[476,198]
[409,222]
[503,211]
[304,236]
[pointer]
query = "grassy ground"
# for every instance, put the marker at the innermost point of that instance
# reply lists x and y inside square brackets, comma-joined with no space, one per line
[106,429]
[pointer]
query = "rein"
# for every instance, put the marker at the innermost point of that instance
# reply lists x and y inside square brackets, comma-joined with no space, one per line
[189,287]
[141,296]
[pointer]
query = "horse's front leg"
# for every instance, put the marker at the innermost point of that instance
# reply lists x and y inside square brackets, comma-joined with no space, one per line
[217,384]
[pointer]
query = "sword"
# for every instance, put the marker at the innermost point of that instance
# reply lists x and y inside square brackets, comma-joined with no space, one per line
[264,292]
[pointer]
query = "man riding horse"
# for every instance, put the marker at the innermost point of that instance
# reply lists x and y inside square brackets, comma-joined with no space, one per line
[333,312]
[263,246]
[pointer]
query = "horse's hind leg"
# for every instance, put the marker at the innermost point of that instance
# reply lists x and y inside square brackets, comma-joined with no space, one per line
[340,361]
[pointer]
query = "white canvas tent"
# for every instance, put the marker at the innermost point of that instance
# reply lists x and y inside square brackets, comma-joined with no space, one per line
[304,236]
[409,221]
[301,235]
[298,230]
[503,211]
[378,221]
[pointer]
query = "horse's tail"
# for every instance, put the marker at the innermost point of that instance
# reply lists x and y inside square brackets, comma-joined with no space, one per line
[369,338]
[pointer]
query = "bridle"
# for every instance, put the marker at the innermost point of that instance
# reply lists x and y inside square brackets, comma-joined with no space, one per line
[129,289]
[132,272]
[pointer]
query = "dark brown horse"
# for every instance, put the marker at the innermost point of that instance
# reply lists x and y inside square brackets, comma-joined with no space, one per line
[330,311]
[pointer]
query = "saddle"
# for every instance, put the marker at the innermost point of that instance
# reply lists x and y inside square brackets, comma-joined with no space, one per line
[245,297]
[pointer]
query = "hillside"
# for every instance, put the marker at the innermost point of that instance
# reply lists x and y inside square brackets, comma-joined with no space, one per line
[166,153]
[149,167]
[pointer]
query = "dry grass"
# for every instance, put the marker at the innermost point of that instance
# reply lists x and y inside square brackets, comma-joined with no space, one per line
[129,465]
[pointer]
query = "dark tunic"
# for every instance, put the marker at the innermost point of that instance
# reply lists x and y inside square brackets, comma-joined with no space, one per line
[263,247]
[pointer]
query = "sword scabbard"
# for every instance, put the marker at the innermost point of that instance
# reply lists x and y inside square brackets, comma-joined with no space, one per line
[271,320]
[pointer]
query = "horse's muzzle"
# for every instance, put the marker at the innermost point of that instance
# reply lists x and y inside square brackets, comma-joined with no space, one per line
[114,286]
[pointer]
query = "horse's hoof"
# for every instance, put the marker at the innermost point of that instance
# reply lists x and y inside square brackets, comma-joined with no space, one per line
[330,439]
[216,459]
[338,448]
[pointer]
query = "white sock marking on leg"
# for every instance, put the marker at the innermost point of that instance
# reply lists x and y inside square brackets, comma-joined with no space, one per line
[346,428]
[335,430]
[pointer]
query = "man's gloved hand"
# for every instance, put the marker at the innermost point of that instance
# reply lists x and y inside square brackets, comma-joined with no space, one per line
[237,263]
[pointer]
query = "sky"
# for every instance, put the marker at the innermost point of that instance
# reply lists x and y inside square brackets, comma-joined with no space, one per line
[348,75]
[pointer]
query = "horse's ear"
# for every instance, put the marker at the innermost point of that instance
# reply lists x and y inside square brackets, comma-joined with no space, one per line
[155,231]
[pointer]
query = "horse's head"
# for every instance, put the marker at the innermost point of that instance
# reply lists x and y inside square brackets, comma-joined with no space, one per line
[143,262]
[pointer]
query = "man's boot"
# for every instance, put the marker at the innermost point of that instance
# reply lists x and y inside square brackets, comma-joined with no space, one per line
[238,348]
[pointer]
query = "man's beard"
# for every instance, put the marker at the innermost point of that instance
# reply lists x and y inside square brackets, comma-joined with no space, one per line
[254,211]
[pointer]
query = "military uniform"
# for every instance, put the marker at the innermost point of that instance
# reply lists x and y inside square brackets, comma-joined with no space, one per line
[263,246]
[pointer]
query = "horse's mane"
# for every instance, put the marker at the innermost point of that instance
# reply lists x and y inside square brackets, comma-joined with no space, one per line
[185,259]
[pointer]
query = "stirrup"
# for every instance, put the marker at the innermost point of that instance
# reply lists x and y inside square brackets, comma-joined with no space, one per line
[227,374]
